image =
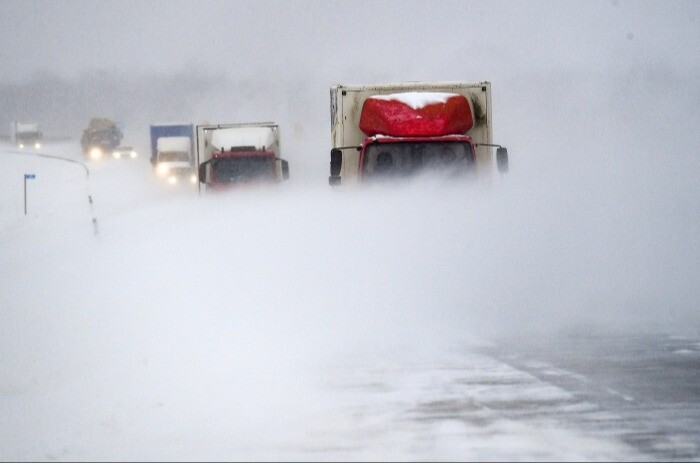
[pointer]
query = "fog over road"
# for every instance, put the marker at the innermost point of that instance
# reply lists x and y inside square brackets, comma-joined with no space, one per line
[232,327]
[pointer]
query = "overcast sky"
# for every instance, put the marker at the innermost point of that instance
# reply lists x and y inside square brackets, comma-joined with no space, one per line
[397,40]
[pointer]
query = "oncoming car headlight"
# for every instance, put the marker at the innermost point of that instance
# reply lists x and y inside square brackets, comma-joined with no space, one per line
[193,178]
[162,169]
[133,154]
[117,154]
[37,145]
[95,153]
[172,180]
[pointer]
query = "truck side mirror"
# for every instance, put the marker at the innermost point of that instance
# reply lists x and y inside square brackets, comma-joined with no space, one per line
[203,172]
[336,162]
[502,159]
[285,170]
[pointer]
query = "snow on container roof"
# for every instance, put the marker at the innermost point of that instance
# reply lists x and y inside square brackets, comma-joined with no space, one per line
[259,137]
[98,123]
[416,114]
[174,143]
[27,127]
[417,100]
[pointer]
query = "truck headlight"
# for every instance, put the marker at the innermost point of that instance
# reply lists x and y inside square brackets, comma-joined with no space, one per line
[133,154]
[162,169]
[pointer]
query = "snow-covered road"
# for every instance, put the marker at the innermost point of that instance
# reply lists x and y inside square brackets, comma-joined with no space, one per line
[300,323]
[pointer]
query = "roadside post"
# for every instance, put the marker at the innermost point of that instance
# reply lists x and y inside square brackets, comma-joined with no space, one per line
[27,177]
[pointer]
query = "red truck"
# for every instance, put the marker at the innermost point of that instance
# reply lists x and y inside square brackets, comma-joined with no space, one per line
[402,130]
[239,154]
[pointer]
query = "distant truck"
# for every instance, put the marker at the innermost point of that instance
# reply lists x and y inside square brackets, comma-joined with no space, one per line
[172,152]
[26,134]
[239,154]
[100,138]
[404,129]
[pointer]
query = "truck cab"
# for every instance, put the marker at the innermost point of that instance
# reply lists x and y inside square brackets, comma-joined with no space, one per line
[27,135]
[174,160]
[407,129]
[239,154]
[101,137]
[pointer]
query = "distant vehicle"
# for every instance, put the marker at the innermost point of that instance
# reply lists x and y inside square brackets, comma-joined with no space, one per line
[239,154]
[124,152]
[100,138]
[172,152]
[27,135]
[403,129]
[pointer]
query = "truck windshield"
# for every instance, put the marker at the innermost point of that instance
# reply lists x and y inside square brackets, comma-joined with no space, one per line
[105,136]
[173,156]
[411,158]
[28,135]
[243,169]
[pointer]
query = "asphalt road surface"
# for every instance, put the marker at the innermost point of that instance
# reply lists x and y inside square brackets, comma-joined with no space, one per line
[620,398]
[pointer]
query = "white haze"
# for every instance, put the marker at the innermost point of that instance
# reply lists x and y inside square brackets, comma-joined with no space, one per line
[205,327]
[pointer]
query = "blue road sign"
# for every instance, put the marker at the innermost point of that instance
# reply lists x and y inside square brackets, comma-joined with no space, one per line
[29,176]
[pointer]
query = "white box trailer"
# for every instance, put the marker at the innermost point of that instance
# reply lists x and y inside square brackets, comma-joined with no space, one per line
[349,140]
